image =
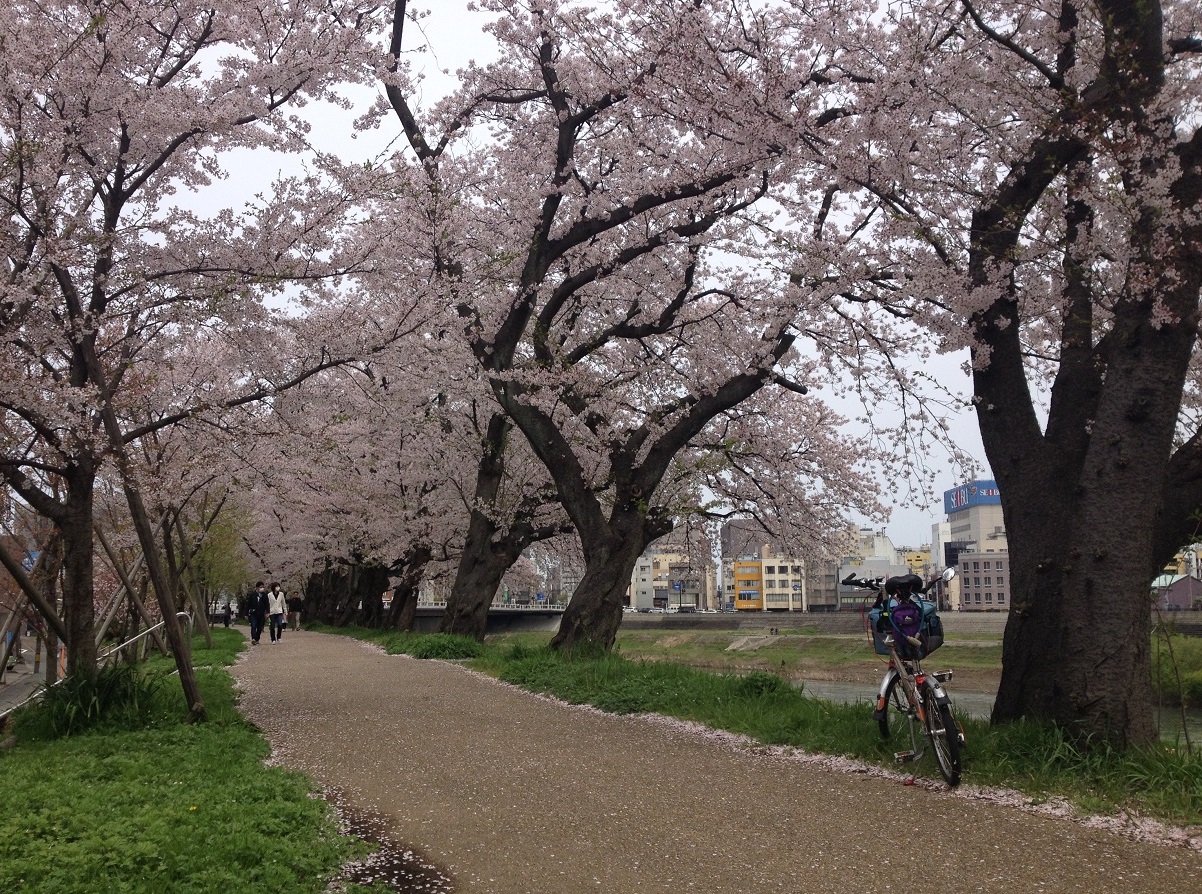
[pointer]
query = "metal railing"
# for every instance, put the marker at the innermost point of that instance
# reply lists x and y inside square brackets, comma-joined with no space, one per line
[102,659]
[503,606]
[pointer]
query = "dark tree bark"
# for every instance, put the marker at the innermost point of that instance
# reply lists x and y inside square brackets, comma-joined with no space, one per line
[74,622]
[1097,501]
[487,554]
[489,550]
[594,612]
[78,611]
[371,581]
[613,538]
[402,613]
[371,610]
[328,593]
[347,593]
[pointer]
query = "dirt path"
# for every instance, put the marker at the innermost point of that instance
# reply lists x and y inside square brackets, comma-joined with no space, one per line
[516,794]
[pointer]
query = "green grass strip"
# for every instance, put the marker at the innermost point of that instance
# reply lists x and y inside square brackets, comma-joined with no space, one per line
[164,807]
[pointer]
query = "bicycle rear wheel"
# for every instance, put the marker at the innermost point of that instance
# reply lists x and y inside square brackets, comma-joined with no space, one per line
[944,735]
[895,705]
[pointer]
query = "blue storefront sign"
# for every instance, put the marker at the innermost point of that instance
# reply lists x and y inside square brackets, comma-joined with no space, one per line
[974,493]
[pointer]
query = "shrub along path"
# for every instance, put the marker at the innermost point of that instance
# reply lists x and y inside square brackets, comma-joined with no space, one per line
[512,793]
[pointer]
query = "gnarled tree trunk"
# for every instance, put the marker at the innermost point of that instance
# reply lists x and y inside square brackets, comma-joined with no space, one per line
[487,555]
[402,613]
[594,612]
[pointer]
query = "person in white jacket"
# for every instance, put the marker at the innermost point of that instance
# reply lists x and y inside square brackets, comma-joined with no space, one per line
[276,606]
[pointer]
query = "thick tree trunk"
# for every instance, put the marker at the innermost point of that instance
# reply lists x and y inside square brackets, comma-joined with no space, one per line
[1082,508]
[486,556]
[1089,503]
[402,613]
[370,586]
[487,552]
[594,612]
[1076,647]
[78,574]
[347,594]
[323,595]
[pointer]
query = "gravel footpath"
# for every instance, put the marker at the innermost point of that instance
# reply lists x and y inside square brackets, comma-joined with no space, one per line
[511,793]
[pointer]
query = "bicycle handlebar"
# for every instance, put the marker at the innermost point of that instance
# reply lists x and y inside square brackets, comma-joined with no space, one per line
[878,583]
[863,583]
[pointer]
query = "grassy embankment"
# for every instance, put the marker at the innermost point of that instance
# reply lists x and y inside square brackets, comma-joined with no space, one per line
[755,700]
[804,654]
[135,801]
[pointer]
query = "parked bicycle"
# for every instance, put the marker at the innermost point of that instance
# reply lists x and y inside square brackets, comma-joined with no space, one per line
[907,629]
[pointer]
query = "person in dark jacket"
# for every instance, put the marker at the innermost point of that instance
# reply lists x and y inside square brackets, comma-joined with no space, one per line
[295,605]
[256,611]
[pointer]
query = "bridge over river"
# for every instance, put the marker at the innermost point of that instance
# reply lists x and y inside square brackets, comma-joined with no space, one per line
[502,617]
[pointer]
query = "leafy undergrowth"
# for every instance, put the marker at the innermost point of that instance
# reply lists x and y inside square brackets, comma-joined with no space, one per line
[137,801]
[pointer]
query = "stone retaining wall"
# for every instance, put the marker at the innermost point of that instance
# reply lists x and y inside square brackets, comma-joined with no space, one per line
[962,623]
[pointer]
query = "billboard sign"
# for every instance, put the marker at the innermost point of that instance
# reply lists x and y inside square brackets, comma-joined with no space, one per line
[974,493]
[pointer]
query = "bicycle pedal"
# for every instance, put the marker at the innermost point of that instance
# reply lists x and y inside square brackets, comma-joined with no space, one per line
[903,756]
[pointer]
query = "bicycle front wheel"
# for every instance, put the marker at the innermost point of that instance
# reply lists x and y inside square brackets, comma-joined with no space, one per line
[944,736]
[895,705]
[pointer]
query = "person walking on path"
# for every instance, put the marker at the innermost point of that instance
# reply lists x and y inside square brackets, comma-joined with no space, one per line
[276,606]
[515,793]
[295,604]
[256,611]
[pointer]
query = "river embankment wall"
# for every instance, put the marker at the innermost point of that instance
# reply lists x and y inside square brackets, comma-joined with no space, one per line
[833,623]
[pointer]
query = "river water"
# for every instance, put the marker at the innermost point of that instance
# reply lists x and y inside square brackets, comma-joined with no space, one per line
[979,704]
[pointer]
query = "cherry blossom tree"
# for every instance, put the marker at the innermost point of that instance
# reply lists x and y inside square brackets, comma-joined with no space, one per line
[1035,172]
[111,116]
[599,196]
[352,484]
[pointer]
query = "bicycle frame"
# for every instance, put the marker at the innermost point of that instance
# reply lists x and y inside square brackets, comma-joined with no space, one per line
[922,699]
[911,679]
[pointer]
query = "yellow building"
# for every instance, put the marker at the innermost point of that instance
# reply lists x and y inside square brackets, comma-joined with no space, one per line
[773,583]
[918,561]
[749,585]
[1186,562]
